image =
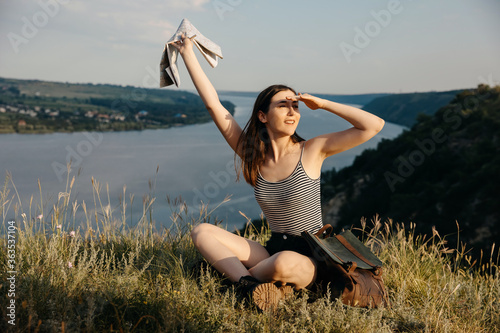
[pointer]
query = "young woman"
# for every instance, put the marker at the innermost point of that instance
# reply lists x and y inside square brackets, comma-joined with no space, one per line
[284,170]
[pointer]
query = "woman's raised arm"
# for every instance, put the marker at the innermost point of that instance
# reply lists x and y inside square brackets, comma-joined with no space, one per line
[225,122]
[365,126]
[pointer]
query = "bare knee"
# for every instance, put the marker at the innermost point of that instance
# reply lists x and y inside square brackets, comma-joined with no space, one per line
[291,267]
[199,232]
[283,265]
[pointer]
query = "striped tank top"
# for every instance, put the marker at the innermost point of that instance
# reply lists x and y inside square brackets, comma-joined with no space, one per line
[291,205]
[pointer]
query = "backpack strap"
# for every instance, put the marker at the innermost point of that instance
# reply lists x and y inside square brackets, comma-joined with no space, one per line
[325,231]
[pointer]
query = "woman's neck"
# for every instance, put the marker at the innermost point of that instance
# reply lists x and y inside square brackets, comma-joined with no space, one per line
[281,147]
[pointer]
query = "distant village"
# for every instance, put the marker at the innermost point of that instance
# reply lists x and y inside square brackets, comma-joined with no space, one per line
[47,113]
[63,107]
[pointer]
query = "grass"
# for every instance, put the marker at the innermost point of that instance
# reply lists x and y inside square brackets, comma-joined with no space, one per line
[99,275]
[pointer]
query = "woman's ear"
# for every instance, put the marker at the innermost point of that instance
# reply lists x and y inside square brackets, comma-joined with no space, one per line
[262,117]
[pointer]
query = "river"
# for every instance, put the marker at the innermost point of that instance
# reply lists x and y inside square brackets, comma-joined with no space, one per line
[192,162]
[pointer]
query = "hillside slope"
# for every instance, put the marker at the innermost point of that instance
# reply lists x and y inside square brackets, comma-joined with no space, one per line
[404,109]
[445,169]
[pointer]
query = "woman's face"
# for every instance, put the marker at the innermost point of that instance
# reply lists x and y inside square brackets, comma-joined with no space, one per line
[283,115]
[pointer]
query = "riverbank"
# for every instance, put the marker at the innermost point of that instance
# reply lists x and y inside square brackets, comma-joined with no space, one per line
[32,106]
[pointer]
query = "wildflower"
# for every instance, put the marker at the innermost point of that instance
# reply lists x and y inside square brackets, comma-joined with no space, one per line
[70,265]
[72,234]
[39,217]
[59,226]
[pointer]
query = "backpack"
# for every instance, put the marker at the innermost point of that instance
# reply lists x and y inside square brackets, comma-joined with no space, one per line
[354,272]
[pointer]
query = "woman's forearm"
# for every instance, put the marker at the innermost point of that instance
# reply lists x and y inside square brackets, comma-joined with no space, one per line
[200,80]
[358,118]
[222,118]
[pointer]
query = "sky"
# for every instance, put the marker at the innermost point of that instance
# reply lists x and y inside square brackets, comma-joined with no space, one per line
[322,46]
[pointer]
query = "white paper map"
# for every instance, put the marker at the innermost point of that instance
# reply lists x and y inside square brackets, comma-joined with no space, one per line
[168,65]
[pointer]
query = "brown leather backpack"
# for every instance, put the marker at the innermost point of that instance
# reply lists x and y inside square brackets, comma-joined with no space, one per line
[354,272]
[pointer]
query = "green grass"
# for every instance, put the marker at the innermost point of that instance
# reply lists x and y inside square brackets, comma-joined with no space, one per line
[107,277]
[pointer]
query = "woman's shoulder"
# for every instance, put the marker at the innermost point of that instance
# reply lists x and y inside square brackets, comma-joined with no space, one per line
[314,146]
[312,157]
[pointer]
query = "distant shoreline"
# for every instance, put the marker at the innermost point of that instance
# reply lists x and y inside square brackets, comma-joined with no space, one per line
[41,107]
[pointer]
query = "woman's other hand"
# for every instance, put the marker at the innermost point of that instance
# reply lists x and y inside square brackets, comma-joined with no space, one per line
[312,102]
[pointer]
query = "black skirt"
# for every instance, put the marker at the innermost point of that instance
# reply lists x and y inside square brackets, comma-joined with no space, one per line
[284,242]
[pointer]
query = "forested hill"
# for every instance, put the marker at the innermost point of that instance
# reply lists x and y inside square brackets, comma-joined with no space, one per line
[404,109]
[445,169]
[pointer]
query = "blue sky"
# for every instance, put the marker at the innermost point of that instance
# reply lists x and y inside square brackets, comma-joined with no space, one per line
[323,46]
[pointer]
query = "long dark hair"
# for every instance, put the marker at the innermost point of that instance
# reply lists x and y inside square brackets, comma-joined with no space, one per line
[253,144]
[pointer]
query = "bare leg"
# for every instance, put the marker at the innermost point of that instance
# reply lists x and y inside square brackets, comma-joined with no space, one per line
[287,267]
[230,254]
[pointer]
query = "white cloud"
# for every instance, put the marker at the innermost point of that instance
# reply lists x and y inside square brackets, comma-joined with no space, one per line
[77,6]
[187,4]
[134,22]
[146,21]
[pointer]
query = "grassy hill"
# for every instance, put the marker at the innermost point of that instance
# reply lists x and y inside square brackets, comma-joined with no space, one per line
[442,171]
[98,275]
[358,99]
[43,106]
[404,109]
